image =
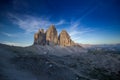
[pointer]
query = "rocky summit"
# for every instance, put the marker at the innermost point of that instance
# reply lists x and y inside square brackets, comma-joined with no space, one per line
[40,37]
[50,37]
[64,39]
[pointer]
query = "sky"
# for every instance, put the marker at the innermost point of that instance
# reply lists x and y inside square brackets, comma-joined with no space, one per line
[87,21]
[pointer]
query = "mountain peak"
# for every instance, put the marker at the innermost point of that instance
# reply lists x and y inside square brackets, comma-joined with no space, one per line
[50,37]
[64,39]
[52,26]
[64,31]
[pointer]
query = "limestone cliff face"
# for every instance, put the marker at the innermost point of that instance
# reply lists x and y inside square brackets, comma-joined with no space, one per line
[51,35]
[40,37]
[64,39]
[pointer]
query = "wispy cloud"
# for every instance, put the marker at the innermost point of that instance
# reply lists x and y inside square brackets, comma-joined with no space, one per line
[60,22]
[76,30]
[15,43]
[32,24]
[89,11]
[9,34]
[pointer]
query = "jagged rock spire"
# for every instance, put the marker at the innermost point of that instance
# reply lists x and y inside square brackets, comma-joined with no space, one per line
[50,37]
[40,37]
[64,39]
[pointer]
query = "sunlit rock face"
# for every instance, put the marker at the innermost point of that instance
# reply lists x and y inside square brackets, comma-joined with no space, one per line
[40,37]
[64,39]
[51,35]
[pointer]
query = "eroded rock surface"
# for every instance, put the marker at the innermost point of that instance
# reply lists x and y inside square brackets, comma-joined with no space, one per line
[40,37]
[64,39]
[50,37]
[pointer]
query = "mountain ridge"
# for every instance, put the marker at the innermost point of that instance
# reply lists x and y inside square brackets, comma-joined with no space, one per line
[51,37]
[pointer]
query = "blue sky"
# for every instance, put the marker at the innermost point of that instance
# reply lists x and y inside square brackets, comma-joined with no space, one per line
[87,21]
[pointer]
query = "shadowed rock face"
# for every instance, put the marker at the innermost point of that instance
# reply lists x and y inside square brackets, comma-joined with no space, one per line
[64,39]
[40,37]
[50,37]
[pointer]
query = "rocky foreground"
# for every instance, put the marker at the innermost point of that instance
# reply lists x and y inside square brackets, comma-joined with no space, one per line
[58,63]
